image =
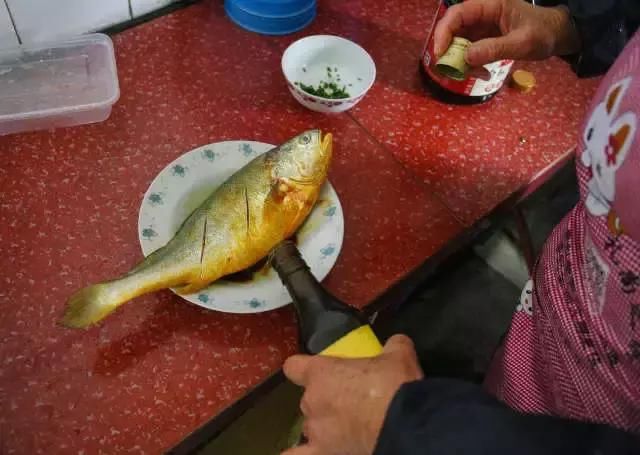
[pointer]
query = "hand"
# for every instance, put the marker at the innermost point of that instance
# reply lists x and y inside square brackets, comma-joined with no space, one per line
[507,29]
[345,401]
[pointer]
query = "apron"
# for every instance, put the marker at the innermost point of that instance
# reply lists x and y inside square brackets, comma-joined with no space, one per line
[573,348]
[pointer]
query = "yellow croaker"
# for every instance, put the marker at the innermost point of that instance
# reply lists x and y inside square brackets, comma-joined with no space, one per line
[262,204]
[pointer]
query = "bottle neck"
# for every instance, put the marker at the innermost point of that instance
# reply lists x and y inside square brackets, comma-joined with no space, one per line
[322,318]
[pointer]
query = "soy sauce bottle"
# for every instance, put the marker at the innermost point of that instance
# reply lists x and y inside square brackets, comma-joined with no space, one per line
[471,90]
[326,325]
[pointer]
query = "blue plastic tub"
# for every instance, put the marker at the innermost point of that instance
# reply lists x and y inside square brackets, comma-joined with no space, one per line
[271,17]
[275,8]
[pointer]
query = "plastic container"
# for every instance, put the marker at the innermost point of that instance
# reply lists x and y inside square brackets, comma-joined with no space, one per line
[50,85]
[271,17]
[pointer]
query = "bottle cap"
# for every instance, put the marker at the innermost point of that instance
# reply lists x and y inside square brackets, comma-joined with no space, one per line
[452,64]
[523,80]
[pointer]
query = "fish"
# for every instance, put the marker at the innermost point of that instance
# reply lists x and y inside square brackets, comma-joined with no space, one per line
[240,222]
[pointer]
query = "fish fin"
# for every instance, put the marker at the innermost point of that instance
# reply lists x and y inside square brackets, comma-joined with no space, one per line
[280,188]
[274,198]
[88,306]
[191,288]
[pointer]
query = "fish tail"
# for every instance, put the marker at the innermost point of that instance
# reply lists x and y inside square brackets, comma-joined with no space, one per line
[89,305]
[93,303]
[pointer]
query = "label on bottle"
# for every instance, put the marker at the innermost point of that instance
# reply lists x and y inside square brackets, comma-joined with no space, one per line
[359,343]
[471,86]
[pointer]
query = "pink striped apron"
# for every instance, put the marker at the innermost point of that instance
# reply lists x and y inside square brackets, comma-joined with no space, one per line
[573,348]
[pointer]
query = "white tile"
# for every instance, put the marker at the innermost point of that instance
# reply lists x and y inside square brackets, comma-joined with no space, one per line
[8,36]
[140,7]
[41,20]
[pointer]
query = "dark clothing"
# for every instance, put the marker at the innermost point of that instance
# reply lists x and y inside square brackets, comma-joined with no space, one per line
[605,26]
[442,417]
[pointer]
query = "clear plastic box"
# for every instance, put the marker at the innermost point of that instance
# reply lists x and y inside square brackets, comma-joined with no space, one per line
[65,83]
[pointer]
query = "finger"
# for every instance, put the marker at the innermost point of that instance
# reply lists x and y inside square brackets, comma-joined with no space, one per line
[399,344]
[511,46]
[302,450]
[402,348]
[306,429]
[305,408]
[296,368]
[469,14]
[310,431]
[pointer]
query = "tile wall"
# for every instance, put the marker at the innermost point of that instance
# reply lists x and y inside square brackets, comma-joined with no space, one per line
[29,21]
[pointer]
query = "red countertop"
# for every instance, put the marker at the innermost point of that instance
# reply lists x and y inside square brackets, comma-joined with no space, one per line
[159,367]
[473,157]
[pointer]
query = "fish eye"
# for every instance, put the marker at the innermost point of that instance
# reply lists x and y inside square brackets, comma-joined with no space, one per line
[305,139]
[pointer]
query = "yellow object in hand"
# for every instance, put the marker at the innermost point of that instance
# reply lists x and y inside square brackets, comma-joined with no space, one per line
[452,64]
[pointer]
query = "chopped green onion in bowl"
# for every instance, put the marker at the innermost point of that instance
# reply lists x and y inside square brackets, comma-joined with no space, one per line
[328,90]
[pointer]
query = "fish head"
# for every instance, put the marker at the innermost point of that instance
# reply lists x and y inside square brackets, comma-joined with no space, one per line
[305,158]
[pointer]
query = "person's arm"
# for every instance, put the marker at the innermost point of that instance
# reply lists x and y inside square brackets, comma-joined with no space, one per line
[438,416]
[604,27]
[384,406]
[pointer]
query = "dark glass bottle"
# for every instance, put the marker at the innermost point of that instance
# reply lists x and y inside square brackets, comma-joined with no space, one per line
[326,325]
[472,90]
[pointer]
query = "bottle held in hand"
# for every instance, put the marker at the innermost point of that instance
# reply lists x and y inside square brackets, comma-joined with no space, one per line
[451,80]
[327,326]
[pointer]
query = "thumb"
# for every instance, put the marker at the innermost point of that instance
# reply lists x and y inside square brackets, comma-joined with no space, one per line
[491,49]
[296,368]
[302,450]
[399,344]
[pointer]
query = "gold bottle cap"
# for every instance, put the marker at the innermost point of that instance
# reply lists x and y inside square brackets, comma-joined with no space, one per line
[452,64]
[523,80]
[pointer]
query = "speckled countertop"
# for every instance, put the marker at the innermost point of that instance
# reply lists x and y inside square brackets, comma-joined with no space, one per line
[410,173]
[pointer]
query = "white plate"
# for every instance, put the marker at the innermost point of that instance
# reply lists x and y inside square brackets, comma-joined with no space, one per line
[185,183]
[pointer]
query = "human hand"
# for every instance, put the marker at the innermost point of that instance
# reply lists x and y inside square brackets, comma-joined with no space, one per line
[346,400]
[507,29]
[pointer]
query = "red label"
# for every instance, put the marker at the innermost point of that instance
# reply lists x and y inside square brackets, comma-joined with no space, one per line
[471,86]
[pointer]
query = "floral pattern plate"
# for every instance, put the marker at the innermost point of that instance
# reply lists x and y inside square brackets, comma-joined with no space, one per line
[185,183]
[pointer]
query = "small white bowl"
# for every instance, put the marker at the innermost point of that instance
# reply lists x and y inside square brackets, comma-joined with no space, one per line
[327,58]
